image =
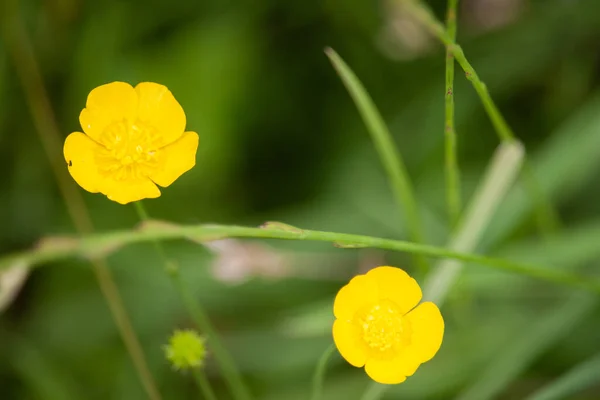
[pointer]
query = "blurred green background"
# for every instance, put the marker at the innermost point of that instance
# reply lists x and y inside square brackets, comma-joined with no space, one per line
[280,139]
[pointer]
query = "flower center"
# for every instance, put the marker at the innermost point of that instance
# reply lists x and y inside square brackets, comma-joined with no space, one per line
[130,150]
[384,327]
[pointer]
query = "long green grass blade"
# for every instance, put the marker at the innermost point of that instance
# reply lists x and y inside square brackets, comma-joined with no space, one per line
[498,180]
[536,337]
[579,378]
[388,153]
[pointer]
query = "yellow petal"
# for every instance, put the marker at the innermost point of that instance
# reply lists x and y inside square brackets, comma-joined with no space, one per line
[179,157]
[358,293]
[127,191]
[107,104]
[159,109]
[385,371]
[348,340]
[427,327]
[80,155]
[396,285]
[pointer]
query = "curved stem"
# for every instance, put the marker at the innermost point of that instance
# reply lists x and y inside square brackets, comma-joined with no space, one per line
[200,318]
[203,384]
[319,375]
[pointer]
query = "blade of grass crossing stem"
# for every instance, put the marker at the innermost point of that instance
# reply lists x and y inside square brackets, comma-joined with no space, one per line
[578,379]
[528,344]
[388,153]
[547,216]
[453,198]
[498,180]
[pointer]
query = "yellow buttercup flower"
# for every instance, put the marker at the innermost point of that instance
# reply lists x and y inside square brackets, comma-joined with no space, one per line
[378,326]
[134,140]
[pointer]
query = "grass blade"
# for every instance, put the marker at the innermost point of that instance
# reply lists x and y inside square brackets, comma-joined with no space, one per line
[498,180]
[577,379]
[389,155]
[538,336]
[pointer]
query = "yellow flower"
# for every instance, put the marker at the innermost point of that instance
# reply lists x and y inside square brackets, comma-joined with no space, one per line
[134,140]
[378,326]
[186,349]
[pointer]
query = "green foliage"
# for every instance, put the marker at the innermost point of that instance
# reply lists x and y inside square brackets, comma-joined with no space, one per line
[280,140]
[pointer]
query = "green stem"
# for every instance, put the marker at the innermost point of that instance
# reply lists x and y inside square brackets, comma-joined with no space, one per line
[26,66]
[101,244]
[319,376]
[203,384]
[424,15]
[374,391]
[453,198]
[200,318]
[547,215]
[388,153]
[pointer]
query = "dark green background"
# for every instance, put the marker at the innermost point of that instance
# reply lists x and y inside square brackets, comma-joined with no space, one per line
[280,139]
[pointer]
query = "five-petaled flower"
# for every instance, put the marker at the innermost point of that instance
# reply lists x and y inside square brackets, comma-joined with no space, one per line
[134,140]
[378,326]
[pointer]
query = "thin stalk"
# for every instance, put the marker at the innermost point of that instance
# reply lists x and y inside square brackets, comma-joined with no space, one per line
[21,50]
[200,318]
[92,245]
[388,153]
[374,391]
[453,198]
[203,384]
[319,375]
[547,216]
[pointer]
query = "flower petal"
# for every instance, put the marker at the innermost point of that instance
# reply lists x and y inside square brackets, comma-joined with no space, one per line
[124,192]
[427,327]
[159,109]
[179,157]
[107,104]
[358,293]
[80,154]
[386,371]
[396,285]
[348,340]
